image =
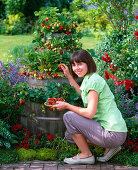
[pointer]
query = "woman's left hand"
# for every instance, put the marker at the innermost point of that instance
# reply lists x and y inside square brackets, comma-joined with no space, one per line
[60,105]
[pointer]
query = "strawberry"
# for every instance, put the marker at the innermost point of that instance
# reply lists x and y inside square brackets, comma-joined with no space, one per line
[76,25]
[20,74]
[59,66]
[42,48]
[51,109]
[55,75]
[61,51]
[23,102]
[61,28]
[28,74]
[46,19]
[24,72]
[48,72]
[67,32]
[49,47]
[41,76]
[35,48]
[48,26]
[42,33]
[43,24]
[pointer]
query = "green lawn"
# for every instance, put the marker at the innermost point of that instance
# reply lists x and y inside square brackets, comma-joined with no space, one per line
[7,42]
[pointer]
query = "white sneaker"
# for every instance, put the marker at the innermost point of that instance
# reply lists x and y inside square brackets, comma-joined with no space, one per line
[109,154]
[88,160]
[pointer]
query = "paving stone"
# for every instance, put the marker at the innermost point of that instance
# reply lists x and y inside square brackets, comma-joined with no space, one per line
[118,167]
[106,166]
[93,167]
[50,167]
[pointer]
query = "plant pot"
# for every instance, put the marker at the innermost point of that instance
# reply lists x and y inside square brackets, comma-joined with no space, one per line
[50,122]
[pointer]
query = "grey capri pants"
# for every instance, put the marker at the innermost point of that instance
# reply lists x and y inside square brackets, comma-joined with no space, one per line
[91,130]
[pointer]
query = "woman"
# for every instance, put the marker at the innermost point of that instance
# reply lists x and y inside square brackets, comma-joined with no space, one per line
[99,122]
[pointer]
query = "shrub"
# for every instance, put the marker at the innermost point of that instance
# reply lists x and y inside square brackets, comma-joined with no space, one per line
[46,154]
[26,155]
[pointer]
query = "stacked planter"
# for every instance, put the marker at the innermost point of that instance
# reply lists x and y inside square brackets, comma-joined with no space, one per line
[56,41]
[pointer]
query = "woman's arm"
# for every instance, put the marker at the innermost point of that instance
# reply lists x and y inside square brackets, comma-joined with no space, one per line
[70,78]
[88,112]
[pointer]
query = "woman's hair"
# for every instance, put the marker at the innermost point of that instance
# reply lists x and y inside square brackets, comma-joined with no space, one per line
[82,56]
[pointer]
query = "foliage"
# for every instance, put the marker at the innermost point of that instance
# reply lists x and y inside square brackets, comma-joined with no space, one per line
[8,156]
[119,58]
[26,155]
[12,85]
[6,137]
[16,24]
[53,47]
[119,13]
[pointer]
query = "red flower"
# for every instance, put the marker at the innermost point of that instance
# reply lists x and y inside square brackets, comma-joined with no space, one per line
[39,134]
[3,90]
[61,28]
[26,146]
[136,17]
[105,54]
[19,146]
[23,102]
[136,33]
[28,133]
[67,32]
[50,137]
[136,38]
[128,84]
[107,75]
[20,74]
[43,24]
[25,140]
[16,127]
[36,142]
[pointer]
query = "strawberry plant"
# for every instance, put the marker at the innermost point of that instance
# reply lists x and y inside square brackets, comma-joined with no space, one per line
[55,39]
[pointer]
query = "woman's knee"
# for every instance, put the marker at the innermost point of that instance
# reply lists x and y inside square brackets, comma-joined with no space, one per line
[68,116]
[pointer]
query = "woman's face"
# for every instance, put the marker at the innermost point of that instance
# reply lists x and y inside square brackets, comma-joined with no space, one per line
[80,69]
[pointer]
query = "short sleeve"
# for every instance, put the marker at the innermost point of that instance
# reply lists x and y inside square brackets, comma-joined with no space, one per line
[96,85]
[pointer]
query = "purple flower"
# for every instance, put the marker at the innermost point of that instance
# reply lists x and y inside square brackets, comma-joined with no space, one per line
[136,105]
[125,12]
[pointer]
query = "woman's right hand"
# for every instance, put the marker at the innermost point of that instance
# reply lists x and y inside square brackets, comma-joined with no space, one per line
[66,70]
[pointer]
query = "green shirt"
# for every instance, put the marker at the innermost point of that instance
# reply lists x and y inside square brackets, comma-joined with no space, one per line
[107,114]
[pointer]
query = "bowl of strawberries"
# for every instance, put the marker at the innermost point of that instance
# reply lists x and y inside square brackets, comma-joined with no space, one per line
[52,101]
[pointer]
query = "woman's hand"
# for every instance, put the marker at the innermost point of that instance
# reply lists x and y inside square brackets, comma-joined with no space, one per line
[60,105]
[65,70]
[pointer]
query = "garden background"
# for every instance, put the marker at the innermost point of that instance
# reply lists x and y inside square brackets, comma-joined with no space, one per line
[36,34]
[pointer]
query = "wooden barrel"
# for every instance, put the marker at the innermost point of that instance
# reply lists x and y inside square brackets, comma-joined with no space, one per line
[50,122]
[36,83]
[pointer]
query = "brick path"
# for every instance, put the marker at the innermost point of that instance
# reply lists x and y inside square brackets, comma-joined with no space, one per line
[52,165]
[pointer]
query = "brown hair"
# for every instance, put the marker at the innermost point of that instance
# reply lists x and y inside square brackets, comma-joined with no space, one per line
[82,56]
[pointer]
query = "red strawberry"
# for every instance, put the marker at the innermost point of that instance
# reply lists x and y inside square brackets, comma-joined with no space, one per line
[43,24]
[48,72]
[42,33]
[49,47]
[23,102]
[76,25]
[24,72]
[42,48]
[59,66]
[55,75]
[35,48]
[46,19]
[61,28]
[61,51]
[20,74]
[41,76]
[28,74]
[67,32]
[51,109]
[48,26]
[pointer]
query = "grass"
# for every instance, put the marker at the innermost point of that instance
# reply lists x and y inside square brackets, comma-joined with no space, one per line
[8,42]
